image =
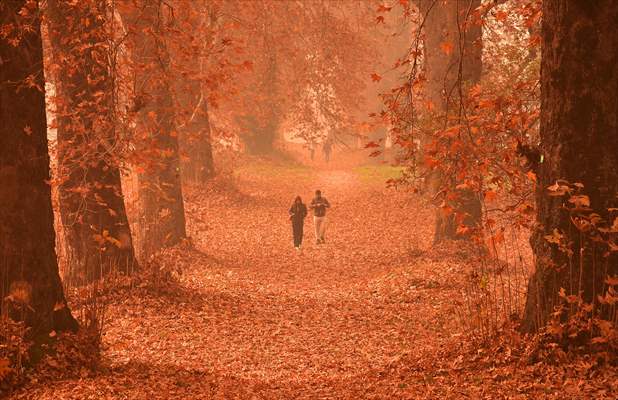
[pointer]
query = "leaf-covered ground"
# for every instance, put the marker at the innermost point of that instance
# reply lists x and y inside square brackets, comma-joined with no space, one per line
[370,314]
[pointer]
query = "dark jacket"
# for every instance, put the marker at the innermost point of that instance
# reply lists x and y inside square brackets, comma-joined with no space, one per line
[319,206]
[298,212]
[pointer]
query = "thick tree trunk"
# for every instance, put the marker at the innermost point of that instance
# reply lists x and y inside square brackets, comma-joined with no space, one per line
[162,216]
[452,61]
[91,202]
[579,143]
[30,285]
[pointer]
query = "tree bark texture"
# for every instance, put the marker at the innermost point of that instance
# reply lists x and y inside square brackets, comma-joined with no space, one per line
[91,201]
[29,281]
[162,219]
[579,144]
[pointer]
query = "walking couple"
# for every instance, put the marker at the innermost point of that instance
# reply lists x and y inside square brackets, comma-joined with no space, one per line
[298,212]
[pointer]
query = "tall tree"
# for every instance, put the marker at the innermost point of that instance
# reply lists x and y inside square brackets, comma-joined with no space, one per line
[452,51]
[308,63]
[91,201]
[259,127]
[162,216]
[192,48]
[338,58]
[579,145]
[29,271]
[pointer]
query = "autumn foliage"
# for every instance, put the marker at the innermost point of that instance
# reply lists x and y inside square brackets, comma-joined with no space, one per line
[149,151]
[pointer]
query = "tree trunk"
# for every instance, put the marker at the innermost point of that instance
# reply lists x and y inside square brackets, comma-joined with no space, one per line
[30,285]
[261,127]
[579,144]
[162,216]
[195,137]
[452,60]
[91,202]
[192,94]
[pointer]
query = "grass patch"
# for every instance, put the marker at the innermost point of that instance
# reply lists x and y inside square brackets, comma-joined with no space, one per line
[378,173]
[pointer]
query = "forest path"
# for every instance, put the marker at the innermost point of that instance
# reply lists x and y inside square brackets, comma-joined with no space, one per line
[251,318]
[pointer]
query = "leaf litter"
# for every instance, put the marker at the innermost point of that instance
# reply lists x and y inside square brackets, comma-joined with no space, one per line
[370,314]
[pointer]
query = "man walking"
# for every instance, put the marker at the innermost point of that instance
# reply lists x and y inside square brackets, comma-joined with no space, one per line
[319,205]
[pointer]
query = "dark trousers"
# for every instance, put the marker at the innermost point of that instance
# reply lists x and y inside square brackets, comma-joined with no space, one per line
[297,230]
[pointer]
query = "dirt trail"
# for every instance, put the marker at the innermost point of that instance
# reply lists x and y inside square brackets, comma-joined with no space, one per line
[251,318]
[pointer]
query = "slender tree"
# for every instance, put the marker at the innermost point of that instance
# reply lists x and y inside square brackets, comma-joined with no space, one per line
[452,64]
[91,201]
[30,285]
[579,145]
[162,216]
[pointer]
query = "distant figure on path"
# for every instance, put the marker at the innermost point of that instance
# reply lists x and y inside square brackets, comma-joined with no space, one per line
[327,147]
[319,205]
[298,212]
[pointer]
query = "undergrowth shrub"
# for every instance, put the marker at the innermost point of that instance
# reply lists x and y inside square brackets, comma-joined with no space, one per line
[495,285]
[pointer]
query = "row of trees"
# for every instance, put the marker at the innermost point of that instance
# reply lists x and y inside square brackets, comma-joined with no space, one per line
[133,82]
[130,86]
[467,115]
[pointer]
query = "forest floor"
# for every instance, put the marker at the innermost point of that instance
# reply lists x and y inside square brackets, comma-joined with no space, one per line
[371,314]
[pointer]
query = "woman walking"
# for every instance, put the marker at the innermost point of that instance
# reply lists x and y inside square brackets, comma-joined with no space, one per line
[298,212]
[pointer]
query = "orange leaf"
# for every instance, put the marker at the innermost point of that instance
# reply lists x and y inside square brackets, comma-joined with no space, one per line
[501,15]
[531,175]
[490,196]
[612,280]
[580,201]
[462,230]
[447,47]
